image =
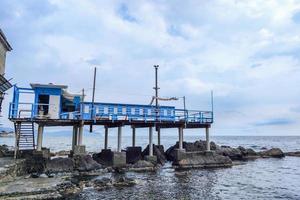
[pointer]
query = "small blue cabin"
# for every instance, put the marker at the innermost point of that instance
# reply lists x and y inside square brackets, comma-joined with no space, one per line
[52,101]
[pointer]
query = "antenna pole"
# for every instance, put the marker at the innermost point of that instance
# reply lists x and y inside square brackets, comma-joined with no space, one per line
[156,88]
[212,103]
[184,107]
[93,99]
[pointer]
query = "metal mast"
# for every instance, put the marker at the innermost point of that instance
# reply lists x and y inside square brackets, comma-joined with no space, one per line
[156,88]
[93,99]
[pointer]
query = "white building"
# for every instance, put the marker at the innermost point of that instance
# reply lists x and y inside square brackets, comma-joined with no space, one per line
[4,48]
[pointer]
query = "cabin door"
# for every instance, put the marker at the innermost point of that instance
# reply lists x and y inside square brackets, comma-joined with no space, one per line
[54,104]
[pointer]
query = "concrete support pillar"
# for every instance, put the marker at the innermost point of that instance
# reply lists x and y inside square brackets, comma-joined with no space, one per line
[158,136]
[119,138]
[40,138]
[106,137]
[207,139]
[75,137]
[150,141]
[80,134]
[180,134]
[133,136]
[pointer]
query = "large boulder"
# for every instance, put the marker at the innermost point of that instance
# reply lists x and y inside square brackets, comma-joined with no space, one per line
[4,151]
[189,147]
[295,154]
[59,164]
[158,151]
[133,154]
[202,160]
[272,153]
[85,163]
[232,153]
[105,157]
[36,163]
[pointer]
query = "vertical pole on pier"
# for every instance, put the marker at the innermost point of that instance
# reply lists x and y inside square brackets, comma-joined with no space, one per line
[207,139]
[106,137]
[75,137]
[158,136]
[184,108]
[93,99]
[150,141]
[180,134]
[133,136]
[40,137]
[156,88]
[212,104]
[119,138]
[80,133]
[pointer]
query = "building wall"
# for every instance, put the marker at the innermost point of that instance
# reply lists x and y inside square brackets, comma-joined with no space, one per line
[2,58]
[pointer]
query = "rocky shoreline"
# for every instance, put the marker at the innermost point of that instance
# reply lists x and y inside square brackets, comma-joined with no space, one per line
[61,176]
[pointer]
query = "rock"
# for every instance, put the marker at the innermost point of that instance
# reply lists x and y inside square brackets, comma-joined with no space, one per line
[43,176]
[133,154]
[4,151]
[158,151]
[68,189]
[62,153]
[102,183]
[202,160]
[85,163]
[105,157]
[248,153]
[295,154]
[57,165]
[35,164]
[142,166]
[189,147]
[232,153]
[263,148]
[272,153]
[124,182]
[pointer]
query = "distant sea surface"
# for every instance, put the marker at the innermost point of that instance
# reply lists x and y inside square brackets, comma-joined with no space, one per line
[259,179]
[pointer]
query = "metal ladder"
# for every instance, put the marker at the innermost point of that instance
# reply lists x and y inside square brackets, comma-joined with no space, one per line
[24,137]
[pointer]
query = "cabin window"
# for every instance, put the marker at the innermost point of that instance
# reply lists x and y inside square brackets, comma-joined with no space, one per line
[86,109]
[43,104]
[124,110]
[141,111]
[165,113]
[105,110]
[132,111]
[97,110]
[115,110]
[149,111]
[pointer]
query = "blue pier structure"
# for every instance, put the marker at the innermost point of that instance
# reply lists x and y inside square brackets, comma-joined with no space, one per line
[52,105]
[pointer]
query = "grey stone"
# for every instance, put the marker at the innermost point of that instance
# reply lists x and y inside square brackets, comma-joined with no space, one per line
[85,163]
[59,164]
[119,159]
[272,153]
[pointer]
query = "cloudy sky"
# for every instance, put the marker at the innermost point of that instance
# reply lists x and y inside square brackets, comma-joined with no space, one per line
[247,52]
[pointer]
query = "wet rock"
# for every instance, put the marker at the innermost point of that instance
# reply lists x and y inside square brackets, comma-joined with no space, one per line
[124,182]
[133,154]
[248,153]
[62,153]
[57,165]
[4,151]
[142,166]
[35,164]
[105,157]
[68,189]
[232,153]
[158,151]
[294,154]
[85,163]
[189,147]
[102,183]
[272,153]
[203,160]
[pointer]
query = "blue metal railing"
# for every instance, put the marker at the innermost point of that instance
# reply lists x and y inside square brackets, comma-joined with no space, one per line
[115,112]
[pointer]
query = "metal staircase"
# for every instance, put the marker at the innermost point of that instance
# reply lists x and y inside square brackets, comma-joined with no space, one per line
[24,137]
